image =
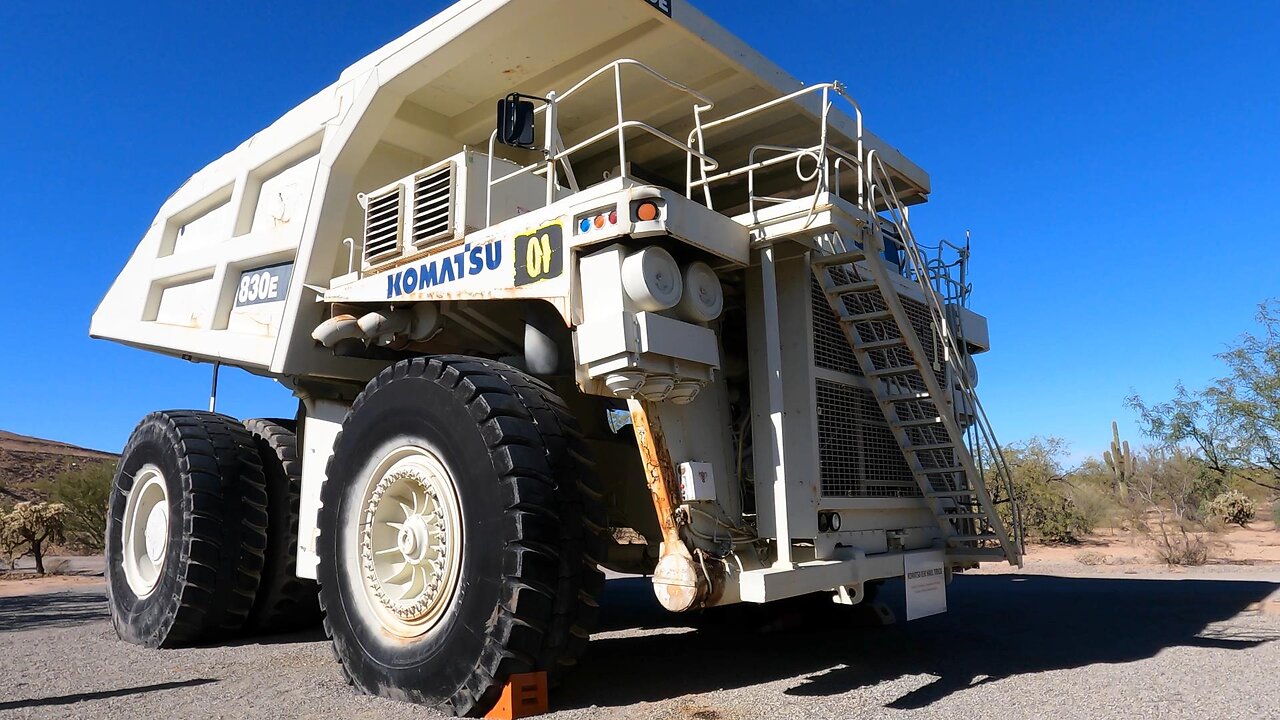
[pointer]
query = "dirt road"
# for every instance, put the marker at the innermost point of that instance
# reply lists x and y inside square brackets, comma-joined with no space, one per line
[1012,646]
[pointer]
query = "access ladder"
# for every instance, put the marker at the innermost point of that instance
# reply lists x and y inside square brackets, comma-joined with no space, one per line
[939,429]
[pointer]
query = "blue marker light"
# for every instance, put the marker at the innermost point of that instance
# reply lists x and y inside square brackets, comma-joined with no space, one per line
[584,225]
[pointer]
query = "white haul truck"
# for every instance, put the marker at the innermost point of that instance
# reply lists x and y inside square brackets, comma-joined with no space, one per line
[662,312]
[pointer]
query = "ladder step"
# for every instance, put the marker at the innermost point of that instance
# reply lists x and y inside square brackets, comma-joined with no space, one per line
[857,287]
[941,470]
[909,397]
[840,258]
[895,371]
[918,422]
[973,538]
[951,494]
[882,344]
[931,446]
[867,317]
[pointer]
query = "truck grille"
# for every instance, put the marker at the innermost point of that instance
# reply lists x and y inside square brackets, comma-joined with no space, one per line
[433,204]
[831,348]
[857,454]
[382,226]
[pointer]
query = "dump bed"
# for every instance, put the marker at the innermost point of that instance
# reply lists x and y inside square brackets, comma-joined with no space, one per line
[232,265]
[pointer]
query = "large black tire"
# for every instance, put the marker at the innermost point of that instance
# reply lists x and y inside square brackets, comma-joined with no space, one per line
[583,524]
[285,601]
[216,530]
[530,522]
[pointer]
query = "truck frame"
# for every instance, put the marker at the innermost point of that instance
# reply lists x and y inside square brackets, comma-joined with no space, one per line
[664,314]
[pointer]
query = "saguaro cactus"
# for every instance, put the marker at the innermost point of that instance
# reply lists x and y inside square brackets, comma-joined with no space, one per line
[1119,460]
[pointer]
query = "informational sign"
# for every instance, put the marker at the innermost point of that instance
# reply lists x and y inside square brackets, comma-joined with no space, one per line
[263,285]
[926,583]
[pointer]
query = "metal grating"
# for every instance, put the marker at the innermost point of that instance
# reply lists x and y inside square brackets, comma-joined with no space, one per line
[432,219]
[382,225]
[857,454]
[831,349]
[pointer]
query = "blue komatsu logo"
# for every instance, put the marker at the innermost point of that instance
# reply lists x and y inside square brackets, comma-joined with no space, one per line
[441,270]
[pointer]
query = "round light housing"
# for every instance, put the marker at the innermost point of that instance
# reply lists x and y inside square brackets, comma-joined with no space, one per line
[703,299]
[647,211]
[652,279]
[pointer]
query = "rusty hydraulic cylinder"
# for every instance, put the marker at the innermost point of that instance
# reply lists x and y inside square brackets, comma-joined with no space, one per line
[679,582]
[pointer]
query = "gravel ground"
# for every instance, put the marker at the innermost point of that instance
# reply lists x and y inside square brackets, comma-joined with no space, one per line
[1012,646]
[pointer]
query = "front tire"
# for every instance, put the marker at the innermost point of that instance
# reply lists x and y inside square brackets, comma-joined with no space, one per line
[445,566]
[186,530]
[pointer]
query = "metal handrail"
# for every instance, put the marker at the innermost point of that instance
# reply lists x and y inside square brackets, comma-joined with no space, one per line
[873,177]
[822,148]
[981,428]
[620,128]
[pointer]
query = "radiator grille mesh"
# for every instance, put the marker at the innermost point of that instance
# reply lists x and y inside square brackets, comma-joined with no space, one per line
[857,454]
[831,348]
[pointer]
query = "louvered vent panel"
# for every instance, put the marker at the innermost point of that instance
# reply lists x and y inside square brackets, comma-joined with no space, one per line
[382,226]
[432,220]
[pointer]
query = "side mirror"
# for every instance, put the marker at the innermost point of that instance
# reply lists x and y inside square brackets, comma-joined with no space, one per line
[515,122]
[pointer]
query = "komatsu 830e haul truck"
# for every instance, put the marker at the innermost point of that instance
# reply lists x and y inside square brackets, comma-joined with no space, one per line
[560,285]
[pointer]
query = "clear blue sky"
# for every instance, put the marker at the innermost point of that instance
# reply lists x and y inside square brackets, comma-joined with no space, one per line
[1117,163]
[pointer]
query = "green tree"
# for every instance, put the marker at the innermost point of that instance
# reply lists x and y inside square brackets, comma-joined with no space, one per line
[1234,424]
[85,491]
[1043,491]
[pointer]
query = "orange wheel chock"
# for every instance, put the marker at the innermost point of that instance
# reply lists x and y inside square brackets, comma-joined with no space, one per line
[524,695]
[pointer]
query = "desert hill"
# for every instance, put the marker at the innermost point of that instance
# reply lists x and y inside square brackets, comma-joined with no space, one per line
[28,463]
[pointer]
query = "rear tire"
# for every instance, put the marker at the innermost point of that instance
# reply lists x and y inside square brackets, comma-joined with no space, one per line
[186,530]
[501,589]
[285,601]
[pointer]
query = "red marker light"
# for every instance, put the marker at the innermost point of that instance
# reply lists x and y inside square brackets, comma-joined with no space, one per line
[613,217]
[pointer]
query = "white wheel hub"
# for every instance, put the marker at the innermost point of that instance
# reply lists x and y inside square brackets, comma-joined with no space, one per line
[409,540]
[144,531]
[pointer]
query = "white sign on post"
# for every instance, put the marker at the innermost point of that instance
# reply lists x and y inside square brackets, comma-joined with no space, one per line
[926,583]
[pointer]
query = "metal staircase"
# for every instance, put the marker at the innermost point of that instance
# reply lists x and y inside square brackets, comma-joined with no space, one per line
[929,404]
[928,401]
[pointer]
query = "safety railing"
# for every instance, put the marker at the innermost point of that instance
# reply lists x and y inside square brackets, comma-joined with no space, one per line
[553,146]
[980,435]
[822,152]
[941,271]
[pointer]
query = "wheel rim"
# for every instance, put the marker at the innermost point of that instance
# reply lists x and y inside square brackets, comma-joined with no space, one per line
[145,530]
[410,540]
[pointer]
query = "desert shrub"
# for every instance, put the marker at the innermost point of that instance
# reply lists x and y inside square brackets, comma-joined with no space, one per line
[1232,507]
[1042,492]
[84,491]
[1175,544]
[1091,557]
[1275,513]
[1095,504]
[1053,517]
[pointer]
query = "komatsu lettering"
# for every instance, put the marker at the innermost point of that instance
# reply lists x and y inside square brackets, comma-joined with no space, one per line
[438,271]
